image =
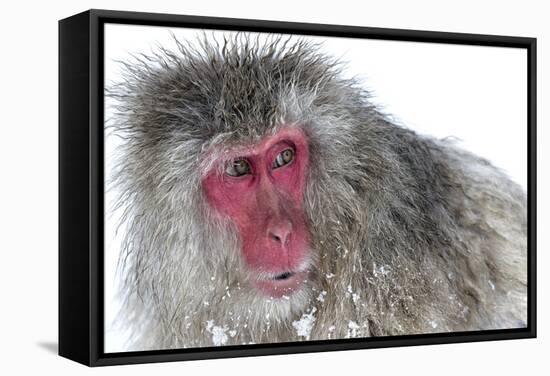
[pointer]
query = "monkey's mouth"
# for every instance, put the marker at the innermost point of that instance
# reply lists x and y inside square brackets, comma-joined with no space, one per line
[283,276]
[282,285]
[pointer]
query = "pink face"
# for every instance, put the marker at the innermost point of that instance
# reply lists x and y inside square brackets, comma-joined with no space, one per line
[261,190]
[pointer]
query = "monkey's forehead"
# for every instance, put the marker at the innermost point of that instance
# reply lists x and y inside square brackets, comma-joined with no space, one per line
[243,86]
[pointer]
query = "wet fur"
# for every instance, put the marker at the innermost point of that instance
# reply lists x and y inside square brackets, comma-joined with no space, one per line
[409,234]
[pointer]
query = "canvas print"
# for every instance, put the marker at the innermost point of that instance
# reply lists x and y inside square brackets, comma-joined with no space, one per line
[266,188]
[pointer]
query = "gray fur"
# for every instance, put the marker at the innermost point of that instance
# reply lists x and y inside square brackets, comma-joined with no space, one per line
[409,234]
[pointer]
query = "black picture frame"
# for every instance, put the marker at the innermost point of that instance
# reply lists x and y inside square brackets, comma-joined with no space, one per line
[81,186]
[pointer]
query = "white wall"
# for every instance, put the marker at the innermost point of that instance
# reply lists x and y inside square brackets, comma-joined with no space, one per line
[28,206]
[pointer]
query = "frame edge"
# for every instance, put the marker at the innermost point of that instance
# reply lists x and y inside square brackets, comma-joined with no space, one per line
[74,161]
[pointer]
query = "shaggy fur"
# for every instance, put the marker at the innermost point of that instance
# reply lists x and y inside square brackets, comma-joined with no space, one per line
[409,234]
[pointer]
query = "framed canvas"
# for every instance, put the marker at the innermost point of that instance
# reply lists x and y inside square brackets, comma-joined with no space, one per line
[234,187]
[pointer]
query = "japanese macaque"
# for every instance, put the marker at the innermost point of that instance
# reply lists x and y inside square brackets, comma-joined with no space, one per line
[266,199]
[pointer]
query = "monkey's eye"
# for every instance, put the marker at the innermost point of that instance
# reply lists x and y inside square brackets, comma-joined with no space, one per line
[238,167]
[284,158]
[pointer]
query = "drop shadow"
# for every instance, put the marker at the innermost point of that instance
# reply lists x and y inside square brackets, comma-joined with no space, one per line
[50,347]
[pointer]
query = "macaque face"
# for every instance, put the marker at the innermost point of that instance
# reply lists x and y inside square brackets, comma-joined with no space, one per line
[261,190]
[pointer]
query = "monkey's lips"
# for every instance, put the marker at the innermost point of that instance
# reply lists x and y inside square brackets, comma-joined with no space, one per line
[281,285]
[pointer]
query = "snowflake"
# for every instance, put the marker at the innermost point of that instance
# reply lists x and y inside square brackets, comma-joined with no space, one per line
[305,324]
[218,333]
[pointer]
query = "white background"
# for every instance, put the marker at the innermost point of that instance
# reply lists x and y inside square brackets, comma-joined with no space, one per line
[28,206]
[441,90]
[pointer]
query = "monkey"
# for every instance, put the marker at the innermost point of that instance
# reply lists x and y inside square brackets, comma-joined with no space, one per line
[267,199]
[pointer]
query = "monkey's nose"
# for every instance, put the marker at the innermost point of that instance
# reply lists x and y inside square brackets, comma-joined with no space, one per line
[280,231]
